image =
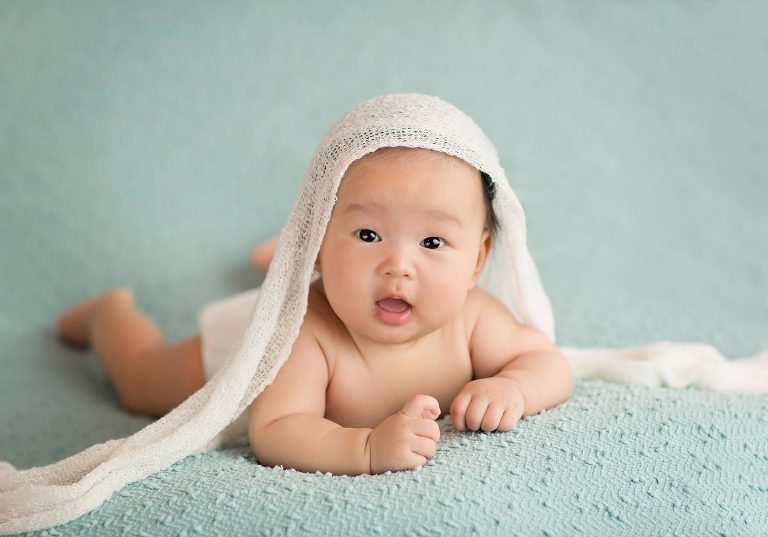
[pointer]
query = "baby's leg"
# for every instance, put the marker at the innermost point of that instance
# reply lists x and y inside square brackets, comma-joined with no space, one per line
[150,376]
[261,255]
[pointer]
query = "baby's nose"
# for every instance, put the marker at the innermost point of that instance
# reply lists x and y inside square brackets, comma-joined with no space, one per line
[397,264]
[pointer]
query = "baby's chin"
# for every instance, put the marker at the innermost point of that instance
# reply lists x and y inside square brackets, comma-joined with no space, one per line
[404,336]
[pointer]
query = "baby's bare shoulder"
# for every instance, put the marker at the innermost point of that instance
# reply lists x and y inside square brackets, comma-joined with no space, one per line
[305,371]
[477,300]
[308,369]
[323,323]
[477,295]
[320,317]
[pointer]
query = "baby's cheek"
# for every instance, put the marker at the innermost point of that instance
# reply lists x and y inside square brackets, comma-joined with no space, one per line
[348,303]
[446,298]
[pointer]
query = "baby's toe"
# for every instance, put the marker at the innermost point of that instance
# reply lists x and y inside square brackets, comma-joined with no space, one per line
[71,328]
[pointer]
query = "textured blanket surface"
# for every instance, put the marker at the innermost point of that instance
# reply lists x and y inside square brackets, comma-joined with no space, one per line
[613,460]
[137,146]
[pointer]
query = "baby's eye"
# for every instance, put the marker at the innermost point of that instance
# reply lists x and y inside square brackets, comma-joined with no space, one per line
[367,235]
[433,243]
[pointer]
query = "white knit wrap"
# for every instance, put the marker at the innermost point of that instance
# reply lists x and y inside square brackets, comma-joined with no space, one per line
[50,495]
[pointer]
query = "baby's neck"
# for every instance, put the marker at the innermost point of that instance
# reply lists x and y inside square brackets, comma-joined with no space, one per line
[374,352]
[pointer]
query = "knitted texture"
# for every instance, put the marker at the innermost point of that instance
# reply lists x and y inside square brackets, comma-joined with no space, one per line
[614,460]
[54,494]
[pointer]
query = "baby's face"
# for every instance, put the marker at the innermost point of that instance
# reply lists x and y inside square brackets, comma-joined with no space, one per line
[408,226]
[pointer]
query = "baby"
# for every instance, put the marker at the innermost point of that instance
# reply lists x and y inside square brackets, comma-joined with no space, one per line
[395,331]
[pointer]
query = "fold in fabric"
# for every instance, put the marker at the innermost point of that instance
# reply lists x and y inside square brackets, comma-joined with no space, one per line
[676,365]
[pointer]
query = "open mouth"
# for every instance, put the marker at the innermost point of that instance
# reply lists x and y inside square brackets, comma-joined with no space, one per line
[393,310]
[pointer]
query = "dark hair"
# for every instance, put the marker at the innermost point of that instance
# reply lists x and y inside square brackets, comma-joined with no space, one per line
[489,189]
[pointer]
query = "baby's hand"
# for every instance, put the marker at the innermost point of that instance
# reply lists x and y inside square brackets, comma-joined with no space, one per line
[407,439]
[493,403]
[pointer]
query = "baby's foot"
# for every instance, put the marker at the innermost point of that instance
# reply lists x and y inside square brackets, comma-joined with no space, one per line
[72,324]
[261,255]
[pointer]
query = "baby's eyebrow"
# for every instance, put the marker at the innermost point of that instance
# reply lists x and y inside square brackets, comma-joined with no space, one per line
[376,207]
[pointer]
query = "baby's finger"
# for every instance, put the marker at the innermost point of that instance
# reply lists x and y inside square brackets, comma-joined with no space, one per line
[459,409]
[421,406]
[427,429]
[475,413]
[492,417]
[508,421]
[423,446]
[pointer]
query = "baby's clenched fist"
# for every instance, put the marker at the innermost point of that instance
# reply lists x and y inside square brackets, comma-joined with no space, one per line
[490,404]
[407,439]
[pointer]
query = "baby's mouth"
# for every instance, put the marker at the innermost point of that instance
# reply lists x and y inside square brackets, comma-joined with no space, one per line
[393,305]
[393,311]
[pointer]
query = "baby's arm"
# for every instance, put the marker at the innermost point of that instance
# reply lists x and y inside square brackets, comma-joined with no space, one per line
[287,426]
[513,363]
[286,423]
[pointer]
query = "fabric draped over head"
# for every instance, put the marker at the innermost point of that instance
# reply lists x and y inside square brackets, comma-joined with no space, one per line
[421,121]
[46,496]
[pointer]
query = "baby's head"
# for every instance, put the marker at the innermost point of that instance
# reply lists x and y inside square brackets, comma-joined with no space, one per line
[410,224]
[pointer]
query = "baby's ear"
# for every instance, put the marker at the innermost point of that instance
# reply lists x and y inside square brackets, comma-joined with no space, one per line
[486,242]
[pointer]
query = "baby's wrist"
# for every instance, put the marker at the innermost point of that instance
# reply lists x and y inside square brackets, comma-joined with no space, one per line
[345,448]
[367,452]
[354,457]
[518,384]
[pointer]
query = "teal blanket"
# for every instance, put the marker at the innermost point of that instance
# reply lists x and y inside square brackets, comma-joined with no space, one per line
[152,145]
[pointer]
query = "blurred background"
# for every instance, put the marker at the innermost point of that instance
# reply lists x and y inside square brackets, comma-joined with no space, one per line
[153,144]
